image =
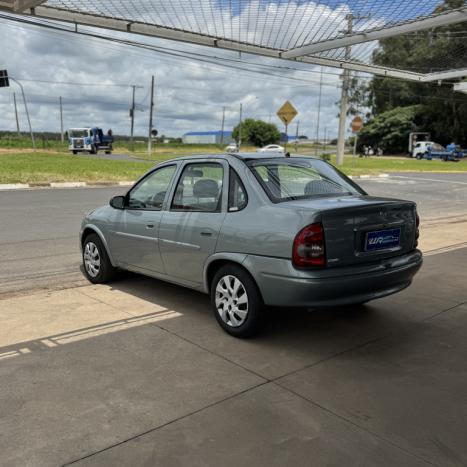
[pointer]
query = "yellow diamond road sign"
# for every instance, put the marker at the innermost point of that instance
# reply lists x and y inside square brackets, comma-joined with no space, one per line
[287,112]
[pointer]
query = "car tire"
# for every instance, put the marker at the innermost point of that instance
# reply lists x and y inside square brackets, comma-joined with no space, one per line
[236,302]
[418,156]
[75,152]
[96,263]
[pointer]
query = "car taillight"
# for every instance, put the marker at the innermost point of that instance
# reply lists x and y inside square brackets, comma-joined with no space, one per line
[417,228]
[308,247]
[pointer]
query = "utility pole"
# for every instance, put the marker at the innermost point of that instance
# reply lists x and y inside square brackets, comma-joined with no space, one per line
[222,126]
[61,120]
[16,115]
[151,109]
[319,109]
[132,116]
[240,128]
[344,98]
[27,112]
[296,136]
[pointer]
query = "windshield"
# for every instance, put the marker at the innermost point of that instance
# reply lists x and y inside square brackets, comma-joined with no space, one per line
[78,133]
[300,178]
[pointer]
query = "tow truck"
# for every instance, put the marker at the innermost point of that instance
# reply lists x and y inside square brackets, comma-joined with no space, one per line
[91,140]
[452,153]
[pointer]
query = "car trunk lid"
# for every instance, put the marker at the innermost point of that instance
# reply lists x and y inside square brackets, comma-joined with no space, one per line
[361,229]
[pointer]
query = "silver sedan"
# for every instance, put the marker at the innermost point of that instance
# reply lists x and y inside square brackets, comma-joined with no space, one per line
[255,230]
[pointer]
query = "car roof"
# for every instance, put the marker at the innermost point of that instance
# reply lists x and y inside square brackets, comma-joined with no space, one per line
[243,156]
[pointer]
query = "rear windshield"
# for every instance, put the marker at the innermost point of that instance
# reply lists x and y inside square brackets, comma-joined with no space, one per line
[300,178]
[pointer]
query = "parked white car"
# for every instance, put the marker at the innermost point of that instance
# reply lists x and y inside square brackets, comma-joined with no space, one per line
[232,147]
[272,148]
[421,148]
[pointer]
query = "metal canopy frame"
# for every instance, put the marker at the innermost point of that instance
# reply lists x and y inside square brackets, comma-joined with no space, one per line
[310,53]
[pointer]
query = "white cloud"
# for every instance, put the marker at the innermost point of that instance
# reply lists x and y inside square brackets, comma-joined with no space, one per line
[190,95]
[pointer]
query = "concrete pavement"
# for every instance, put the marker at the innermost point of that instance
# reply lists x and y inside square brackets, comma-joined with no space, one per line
[138,373]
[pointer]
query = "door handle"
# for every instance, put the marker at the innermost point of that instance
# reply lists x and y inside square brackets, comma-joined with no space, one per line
[149,226]
[206,233]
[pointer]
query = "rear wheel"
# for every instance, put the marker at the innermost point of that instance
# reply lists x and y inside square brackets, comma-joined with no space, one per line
[75,152]
[96,263]
[236,302]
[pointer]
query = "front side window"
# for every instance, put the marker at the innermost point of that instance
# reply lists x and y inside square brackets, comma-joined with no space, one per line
[237,193]
[292,179]
[199,188]
[150,192]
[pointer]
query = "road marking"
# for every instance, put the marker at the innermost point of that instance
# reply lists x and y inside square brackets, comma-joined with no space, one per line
[446,249]
[430,180]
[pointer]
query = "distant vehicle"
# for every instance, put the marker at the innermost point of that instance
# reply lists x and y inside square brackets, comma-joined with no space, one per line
[422,148]
[256,231]
[272,148]
[452,153]
[232,147]
[91,140]
[416,137]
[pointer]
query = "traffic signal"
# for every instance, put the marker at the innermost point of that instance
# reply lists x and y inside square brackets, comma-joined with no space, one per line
[4,81]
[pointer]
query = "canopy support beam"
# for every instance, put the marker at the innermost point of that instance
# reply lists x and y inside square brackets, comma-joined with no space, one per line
[443,19]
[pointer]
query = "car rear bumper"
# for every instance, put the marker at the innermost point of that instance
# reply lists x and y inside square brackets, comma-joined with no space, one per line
[283,285]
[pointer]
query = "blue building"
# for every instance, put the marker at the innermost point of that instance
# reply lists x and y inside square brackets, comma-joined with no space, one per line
[207,137]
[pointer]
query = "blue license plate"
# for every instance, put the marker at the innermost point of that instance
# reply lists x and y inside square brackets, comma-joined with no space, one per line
[383,239]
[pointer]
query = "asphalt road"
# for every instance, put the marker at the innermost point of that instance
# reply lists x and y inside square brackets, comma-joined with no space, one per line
[39,234]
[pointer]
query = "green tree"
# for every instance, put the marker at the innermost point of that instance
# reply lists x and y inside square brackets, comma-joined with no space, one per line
[390,130]
[257,132]
[444,112]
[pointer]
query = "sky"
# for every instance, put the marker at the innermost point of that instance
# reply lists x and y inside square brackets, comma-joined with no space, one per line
[190,95]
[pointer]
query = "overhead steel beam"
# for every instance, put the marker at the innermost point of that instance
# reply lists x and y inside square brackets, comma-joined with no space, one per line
[442,19]
[443,75]
[461,87]
[192,38]
[18,6]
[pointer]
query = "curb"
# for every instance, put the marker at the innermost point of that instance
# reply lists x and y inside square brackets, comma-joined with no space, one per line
[366,177]
[38,185]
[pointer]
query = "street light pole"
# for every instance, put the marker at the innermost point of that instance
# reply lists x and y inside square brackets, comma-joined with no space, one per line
[16,115]
[27,111]
[240,128]
[61,120]
[132,115]
[222,126]
[151,109]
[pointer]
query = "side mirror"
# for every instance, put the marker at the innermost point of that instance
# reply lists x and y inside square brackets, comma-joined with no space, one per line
[118,202]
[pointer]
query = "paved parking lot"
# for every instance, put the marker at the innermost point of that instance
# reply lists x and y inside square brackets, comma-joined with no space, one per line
[139,373]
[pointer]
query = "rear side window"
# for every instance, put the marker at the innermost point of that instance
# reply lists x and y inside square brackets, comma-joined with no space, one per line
[292,179]
[199,188]
[237,193]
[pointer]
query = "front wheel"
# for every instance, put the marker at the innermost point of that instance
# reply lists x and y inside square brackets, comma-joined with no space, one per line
[96,263]
[236,302]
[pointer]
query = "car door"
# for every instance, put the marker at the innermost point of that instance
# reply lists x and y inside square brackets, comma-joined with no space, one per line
[190,226]
[134,237]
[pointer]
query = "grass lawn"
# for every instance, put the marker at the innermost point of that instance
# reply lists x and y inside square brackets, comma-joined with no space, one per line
[62,167]
[29,167]
[378,165]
